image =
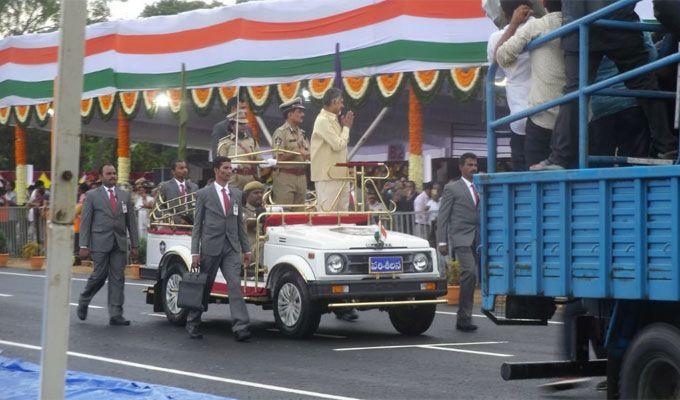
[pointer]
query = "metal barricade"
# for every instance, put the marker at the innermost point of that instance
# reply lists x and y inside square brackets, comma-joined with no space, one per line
[411,223]
[19,230]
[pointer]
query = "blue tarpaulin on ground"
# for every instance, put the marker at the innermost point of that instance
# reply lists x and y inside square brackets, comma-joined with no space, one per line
[21,380]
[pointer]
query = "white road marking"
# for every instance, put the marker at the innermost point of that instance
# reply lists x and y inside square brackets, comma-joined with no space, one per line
[90,306]
[155,315]
[323,335]
[186,373]
[6,295]
[406,346]
[73,279]
[484,316]
[484,353]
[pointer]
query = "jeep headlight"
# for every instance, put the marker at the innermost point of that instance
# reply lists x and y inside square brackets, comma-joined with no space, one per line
[335,263]
[420,262]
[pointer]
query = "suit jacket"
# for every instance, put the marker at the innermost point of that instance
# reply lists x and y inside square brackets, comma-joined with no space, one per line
[101,227]
[170,189]
[458,218]
[212,229]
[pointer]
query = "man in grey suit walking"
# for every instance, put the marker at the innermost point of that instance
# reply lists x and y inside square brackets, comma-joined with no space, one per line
[218,239]
[458,230]
[178,186]
[107,214]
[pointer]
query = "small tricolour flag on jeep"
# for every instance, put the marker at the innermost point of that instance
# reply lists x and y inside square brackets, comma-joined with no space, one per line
[383,231]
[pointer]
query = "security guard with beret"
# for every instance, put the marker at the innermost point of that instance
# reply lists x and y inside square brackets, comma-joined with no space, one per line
[228,147]
[290,180]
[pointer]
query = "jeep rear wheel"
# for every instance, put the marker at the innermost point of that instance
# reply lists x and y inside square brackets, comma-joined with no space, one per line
[295,313]
[176,315]
[412,320]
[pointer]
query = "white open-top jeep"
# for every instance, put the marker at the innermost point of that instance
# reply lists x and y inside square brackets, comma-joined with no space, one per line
[312,263]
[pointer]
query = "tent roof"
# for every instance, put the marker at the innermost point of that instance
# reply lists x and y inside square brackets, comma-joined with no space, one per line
[255,43]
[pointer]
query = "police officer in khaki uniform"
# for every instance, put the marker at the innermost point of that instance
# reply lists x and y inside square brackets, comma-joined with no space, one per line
[228,147]
[290,181]
[253,207]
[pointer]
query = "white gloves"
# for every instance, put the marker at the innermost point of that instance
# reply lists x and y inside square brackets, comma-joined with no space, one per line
[268,163]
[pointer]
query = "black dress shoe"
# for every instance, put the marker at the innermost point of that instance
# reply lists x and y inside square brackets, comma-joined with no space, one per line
[82,312]
[466,327]
[195,335]
[119,321]
[242,335]
[350,315]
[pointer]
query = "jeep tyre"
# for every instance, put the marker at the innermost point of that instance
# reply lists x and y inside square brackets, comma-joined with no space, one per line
[296,315]
[170,286]
[412,320]
[651,365]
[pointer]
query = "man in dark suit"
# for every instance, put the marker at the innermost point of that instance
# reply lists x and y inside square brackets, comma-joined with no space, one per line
[218,240]
[107,218]
[458,230]
[178,186]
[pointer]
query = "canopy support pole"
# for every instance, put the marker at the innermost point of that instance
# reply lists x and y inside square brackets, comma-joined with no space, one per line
[66,148]
[368,132]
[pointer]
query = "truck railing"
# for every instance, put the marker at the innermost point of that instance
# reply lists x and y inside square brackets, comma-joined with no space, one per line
[584,90]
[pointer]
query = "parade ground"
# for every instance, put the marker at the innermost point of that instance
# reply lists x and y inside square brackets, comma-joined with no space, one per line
[358,360]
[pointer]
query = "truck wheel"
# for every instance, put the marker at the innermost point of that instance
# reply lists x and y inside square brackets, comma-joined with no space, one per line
[412,320]
[176,315]
[296,315]
[651,365]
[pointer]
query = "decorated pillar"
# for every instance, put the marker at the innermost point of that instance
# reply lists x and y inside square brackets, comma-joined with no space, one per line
[415,139]
[123,147]
[20,160]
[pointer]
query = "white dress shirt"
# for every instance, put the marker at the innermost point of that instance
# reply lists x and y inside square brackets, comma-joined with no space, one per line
[179,185]
[219,188]
[518,82]
[472,191]
[420,208]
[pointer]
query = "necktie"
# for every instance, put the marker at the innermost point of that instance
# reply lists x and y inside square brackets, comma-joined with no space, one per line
[181,189]
[112,200]
[227,202]
[472,185]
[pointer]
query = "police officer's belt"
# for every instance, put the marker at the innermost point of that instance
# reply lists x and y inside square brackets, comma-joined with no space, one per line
[293,170]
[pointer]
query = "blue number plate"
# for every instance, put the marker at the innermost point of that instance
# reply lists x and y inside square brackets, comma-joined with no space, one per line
[384,265]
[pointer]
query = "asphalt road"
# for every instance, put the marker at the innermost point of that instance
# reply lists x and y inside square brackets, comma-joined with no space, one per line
[366,359]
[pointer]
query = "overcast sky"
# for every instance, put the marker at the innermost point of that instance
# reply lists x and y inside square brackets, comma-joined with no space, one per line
[131,9]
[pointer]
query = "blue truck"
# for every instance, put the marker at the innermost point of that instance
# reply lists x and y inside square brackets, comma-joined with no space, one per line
[606,238]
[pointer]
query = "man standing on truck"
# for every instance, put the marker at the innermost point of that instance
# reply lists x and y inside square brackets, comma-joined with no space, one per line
[108,217]
[518,83]
[219,241]
[458,230]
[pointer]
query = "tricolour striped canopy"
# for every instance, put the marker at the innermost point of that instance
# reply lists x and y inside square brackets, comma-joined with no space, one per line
[256,43]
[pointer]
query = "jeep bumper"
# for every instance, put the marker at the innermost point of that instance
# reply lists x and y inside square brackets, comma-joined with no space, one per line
[378,289]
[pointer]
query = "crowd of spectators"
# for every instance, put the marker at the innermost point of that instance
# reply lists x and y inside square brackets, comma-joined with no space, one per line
[618,125]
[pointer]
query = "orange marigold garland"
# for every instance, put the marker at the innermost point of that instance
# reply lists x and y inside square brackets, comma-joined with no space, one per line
[4,115]
[288,91]
[123,134]
[389,85]
[415,138]
[318,87]
[20,161]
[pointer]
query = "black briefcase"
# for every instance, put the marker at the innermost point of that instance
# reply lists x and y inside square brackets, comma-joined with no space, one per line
[192,291]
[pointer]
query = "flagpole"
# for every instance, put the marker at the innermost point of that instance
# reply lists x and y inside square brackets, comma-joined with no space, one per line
[183,117]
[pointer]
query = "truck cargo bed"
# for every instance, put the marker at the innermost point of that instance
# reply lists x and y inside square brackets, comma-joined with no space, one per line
[594,233]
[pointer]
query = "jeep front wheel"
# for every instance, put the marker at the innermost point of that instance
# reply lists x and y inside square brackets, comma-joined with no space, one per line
[176,315]
[412,320]
[295,313]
